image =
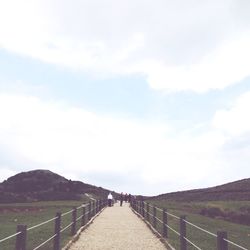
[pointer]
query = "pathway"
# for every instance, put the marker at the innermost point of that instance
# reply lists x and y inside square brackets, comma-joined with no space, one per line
[118,228]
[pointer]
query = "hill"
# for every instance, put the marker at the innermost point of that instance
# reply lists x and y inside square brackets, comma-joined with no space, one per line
[237,190]
[41,185]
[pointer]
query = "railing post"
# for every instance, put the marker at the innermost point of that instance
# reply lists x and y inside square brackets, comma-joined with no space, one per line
[21,238]
[96,204]
[154,219]
[221,243]
[73,226]
[147,211]
[93,209]
[165,223]
[89,210]
[143,212]
[83,215]
[183,241]
[57,231]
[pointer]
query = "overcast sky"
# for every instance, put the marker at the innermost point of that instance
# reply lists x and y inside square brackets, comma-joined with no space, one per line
[139,96]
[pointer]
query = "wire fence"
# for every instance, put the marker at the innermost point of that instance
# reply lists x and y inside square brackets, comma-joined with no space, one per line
[80,216]
[160,220]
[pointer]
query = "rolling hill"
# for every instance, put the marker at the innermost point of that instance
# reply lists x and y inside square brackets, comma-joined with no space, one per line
[237,190]
[40,185]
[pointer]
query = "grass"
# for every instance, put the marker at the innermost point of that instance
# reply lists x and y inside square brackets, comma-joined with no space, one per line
[237,233]
[31,214]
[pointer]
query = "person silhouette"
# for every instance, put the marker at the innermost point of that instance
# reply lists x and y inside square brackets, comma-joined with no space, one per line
[121,199]
[110,198]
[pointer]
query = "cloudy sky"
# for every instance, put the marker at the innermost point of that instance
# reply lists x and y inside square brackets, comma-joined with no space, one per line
[136,96]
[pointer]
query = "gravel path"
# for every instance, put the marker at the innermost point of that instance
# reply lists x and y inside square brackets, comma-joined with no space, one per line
[118,228]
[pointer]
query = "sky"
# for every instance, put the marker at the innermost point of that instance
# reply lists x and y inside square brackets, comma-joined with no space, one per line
[144,97]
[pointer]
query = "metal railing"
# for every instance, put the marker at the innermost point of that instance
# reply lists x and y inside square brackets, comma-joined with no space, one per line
[88,211]
[149,213]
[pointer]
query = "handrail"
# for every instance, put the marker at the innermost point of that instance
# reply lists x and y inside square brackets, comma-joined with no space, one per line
[38,225]
[191,243]
[204,230]
[236,245]
[9,237]
[43,243]
[92,211]
[144,212]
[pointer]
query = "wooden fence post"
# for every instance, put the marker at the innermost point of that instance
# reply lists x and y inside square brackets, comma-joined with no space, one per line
[183,241]
[93,209]
[21,238]
[96,205]
[165,223]
[73,226]
[83,215]
[154,219]
[221,243]
[89,210]
[143,211]
[57,231]
[148,212]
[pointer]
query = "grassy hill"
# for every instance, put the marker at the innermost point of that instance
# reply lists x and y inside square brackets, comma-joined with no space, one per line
[229,201]
[238,190]
[41,185]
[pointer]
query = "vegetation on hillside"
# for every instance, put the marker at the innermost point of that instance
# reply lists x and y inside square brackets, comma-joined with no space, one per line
[238,190]
[238,231]
[44,185]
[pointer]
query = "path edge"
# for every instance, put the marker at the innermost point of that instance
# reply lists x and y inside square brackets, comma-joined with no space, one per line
[163,240]
[78,233]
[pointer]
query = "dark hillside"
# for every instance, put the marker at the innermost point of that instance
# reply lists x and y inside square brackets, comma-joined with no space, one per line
[238,190]
[32,181]
[38,185]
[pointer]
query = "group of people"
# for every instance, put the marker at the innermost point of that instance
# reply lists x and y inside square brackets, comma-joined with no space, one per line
[123,197]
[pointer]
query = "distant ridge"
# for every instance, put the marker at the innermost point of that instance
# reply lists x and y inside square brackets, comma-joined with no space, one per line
[39,185]
[237,190]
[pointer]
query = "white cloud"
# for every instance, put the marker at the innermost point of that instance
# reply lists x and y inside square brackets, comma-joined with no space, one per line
[5,173]
[235,120]
[76,142]
[176,45]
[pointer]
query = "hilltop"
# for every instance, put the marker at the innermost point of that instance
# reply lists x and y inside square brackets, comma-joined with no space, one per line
[40,185]
[237,190]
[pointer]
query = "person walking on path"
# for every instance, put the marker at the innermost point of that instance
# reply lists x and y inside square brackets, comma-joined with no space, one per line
[110,198]
[121,199]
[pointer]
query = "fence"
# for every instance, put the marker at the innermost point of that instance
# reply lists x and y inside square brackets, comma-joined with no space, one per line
[86,211]
[158,218]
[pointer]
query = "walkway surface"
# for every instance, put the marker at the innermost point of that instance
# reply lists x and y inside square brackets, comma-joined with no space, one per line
[118,228]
